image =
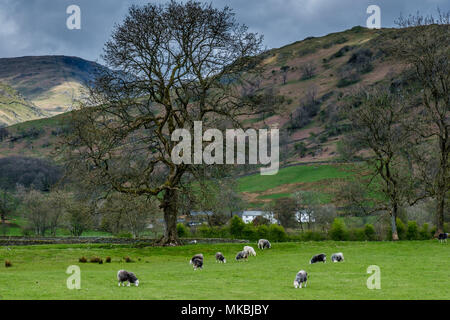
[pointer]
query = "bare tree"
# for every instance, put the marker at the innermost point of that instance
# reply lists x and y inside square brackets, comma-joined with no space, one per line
[127,212]
[375,117]
[424,44]
[308,70]
[173,64]
[285,70]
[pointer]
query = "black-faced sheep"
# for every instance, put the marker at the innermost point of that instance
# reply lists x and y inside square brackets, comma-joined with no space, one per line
[264,244]
[220,258]
[242,255]
[124,276]
[250,251]
[197,261]
[337,257]
[318,258]
[443,237]
[300,278]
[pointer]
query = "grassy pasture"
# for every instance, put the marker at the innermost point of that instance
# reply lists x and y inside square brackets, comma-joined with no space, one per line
[409,270]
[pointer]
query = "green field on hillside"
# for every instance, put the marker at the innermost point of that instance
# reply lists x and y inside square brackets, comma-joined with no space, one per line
[291,175]
[409,270]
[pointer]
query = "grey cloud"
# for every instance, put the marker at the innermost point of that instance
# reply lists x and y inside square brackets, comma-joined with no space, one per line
[38,27]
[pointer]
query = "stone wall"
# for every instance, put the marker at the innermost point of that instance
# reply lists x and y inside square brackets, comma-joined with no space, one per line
[29,241]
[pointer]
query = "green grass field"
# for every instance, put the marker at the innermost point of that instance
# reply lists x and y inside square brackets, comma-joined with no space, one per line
[296,174]
[409,270]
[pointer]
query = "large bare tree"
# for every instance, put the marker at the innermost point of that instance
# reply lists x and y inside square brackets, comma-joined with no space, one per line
[169,66]
[425,45]
[376,117]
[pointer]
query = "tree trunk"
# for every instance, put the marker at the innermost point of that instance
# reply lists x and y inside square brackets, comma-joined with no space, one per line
[169,205]
[394,225]
[440,214]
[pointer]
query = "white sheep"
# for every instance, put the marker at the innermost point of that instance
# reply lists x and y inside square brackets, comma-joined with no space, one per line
[250,251]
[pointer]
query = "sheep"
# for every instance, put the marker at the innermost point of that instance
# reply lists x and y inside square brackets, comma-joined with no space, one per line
[197,261]
[300,278]
[443,237]
[337,257]
[242,255]
[124,276]
[220,258]
[250,251]
[263,244]
[318,258]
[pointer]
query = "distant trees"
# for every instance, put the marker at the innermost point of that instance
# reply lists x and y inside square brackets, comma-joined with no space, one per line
[285,211]
[4,133]
[121,212]
[28,172]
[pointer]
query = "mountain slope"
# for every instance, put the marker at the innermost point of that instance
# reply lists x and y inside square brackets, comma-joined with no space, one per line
[51,83]
[15,108]
[307,105]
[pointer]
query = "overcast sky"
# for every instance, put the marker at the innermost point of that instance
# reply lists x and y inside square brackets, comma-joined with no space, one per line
[38,27]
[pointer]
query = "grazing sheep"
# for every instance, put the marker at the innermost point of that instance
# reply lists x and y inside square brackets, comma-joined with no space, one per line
[197,261]
[337,257]
[242,255]
[250,251]
[300,278]
[220,258]
[124,276]
[443,237]
[263,244]
[319,258]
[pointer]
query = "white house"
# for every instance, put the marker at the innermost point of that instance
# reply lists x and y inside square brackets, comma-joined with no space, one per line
[249,216]
[304,217]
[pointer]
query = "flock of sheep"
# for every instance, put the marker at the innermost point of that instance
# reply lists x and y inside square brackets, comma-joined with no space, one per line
[197,262]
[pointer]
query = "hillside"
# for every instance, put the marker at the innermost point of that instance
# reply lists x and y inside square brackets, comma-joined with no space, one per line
[15,108]
[51,83]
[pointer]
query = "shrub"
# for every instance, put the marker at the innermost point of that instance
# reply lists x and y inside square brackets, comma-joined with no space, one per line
[8,264]
[182,231]
[108,259]
[236,226]
[313,236]
[277,233]
[262,231]
[357,234]
[361,60]
[412,233]
[95,260]
[401,229]
[249,232]
[338,231]
[82,260]
[125,235]
[369,231]
[424,233]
